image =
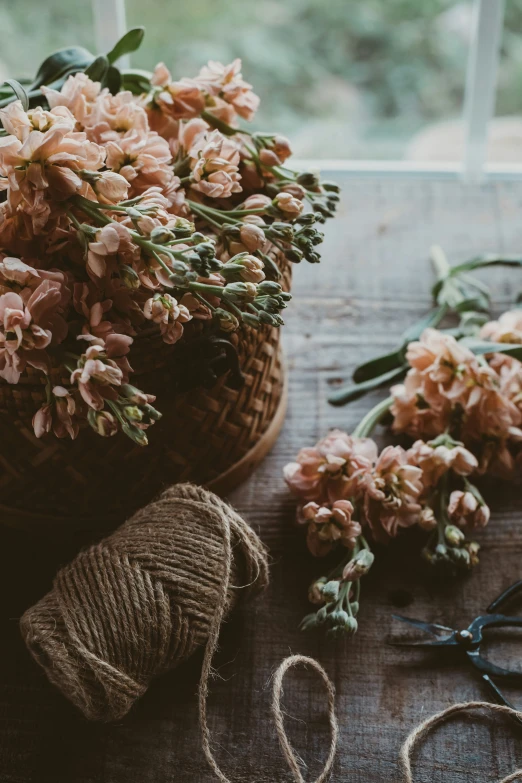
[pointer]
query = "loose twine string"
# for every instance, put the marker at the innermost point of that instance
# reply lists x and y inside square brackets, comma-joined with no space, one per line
[417,736]
[118,616]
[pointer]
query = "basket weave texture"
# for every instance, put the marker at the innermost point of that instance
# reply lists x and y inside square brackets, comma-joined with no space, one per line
[97,482]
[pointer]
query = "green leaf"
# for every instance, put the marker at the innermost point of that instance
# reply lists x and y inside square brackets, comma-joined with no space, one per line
[354,391]
[378,366]
[61,64]
[481,347]
[97,70]
[433,319]
[128,43]
[19,91]
[113,80]
[135,80]
[484,261]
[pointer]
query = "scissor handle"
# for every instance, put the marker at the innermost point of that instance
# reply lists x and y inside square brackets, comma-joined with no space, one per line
[491,669]
[505,596]
[474,655]
[493,621]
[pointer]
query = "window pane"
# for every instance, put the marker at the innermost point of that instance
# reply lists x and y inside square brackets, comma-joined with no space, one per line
[342,78]
[505,133]
[33,29]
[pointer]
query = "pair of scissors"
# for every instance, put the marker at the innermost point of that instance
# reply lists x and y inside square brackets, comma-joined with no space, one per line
[468,641]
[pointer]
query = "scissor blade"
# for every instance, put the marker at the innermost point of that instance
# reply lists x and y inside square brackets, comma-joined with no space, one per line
[432,628]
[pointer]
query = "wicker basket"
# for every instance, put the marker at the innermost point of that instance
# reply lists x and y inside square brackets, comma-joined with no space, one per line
[213,436]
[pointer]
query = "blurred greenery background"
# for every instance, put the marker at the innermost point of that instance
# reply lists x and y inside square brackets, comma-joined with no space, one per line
[342,78]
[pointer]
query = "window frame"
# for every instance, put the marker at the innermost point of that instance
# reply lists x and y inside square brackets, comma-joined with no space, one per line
[479,100]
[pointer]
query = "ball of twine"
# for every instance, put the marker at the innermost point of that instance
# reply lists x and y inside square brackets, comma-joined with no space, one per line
[142,600]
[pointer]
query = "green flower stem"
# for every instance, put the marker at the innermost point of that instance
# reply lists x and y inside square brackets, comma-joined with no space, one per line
[210,215]
[91,209]
[221,125]
[226,213]
[442,510]
[372,418]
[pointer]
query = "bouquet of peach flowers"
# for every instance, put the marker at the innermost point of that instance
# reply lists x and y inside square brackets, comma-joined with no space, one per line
[459,403]
[131,200]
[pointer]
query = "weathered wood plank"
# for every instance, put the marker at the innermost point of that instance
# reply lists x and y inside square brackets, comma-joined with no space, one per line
[373,282]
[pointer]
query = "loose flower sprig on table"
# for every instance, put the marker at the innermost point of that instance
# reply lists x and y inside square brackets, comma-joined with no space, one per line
[130,200]
[461,404]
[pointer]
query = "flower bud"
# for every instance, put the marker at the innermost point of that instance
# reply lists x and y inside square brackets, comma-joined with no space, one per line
[132,413]
[132,394]
[159,235]
[252,237]
[269,288]
[308,180]
[269,158]
[294,189]
[242,291]
[315,592]
[288,204]
[358,566]
[427,519]
[338,618]
[256,201]
[182,228]
[102,422]
[249,267]
[129,276]
[454,536]
[473,549]
[135,434]
[330,590]
[227,322]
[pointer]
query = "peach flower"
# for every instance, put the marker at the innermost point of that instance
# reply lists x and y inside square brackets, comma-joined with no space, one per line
[508,328]
[78,94]
[328,525]
[465,510]
[226,82]
[437,459]
[393,490]
[164,310]
[289,205]
[111,239]
[45,165]
[180,100]
[215,161]
[142,158]
[335,468]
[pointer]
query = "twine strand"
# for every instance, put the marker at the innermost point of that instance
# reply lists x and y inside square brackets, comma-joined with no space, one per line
[421,732]
[277,690]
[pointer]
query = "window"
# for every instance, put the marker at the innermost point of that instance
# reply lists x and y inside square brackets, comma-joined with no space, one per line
[365,86]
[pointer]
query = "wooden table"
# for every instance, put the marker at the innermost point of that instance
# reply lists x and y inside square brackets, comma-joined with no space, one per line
[373,282]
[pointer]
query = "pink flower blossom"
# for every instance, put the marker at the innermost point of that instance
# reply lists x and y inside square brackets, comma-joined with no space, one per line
[111,239]
[179,100]
[393,490]
[46,166]
[508,328]
[437,459]
[465,510]
[143,159]
[328,525]
[215,160]
[164,310]
[226,82]
[28,327]
[334,469]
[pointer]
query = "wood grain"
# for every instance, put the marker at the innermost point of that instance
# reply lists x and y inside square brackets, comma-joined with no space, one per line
[374,280]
